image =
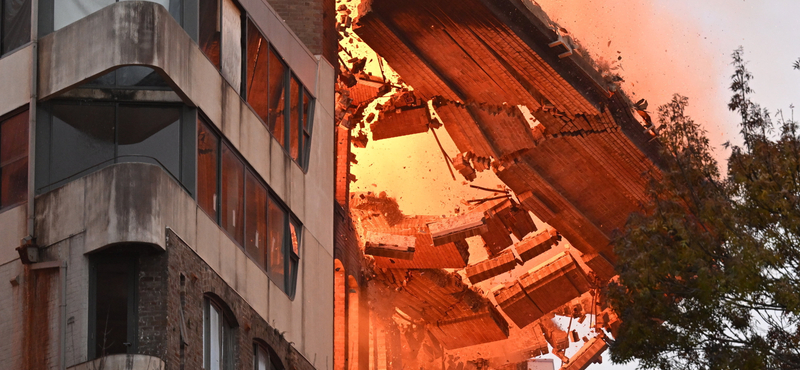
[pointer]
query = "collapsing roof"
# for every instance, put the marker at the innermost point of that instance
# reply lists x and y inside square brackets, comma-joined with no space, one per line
[582,171]
[517,98]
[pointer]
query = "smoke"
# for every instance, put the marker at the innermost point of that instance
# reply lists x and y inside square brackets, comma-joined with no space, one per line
[660,50]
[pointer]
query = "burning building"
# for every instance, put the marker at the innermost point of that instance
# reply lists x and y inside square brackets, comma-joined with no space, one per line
[521,102]
[167,184]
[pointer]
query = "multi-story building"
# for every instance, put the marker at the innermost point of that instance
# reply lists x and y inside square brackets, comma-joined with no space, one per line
[167,184]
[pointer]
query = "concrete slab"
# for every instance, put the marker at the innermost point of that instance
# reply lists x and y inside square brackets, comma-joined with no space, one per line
[257,291]
[227,250]
[17,68]
[60,213]
[255,142]
[231,114]
[208,240]
[277,175]
[12,230]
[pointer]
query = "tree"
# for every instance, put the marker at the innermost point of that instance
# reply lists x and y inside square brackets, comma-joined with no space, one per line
[708,270]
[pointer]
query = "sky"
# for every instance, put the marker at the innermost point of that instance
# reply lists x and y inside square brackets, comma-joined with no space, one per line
[667,47]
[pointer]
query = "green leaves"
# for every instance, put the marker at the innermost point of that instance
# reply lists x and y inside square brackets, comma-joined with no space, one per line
[708,271]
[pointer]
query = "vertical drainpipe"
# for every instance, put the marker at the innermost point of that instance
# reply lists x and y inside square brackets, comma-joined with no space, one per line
[62,268]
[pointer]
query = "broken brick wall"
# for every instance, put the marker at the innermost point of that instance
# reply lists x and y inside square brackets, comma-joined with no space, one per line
[314,22]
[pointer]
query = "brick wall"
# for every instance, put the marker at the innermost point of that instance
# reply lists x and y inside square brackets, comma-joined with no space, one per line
[313,21]
[188,292]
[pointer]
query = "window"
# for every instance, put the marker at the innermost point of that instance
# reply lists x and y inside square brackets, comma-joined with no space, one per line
[221,38]
[277,96]
[14,160]
[130,77]
[15,24]
[277,91]
[112,311]
[80,138]
[254,218]
[232,218]
[264,358]
[257,71]
[66,12]
[210,34]
[207,168]
[218,342]
[276,223]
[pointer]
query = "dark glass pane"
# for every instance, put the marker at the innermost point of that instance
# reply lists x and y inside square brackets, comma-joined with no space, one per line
[207,157]
[294,231]
[257,63]
[210,30]
[277,90]
[256,218]
[173,6]
[111,309]
[14,182]
[276,224]
[82,137]
[16,24]
[108,79]
[14,138]
[139,76]
[232,219]
[150,135]
[306,109]
[294,118]
[68,11]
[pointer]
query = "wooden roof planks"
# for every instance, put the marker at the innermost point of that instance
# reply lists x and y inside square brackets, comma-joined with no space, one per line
[457,315]
[542,290]
[517,305]
[587,355]
[529,248]
[389,245]
[457,228]
[487,269]
[555,283]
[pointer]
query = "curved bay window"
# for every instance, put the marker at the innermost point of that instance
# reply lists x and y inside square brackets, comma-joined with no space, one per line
[248,212]
[78,137]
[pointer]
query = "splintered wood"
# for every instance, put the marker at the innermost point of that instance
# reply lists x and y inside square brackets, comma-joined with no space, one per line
[457,315]
[527,249]
[588,354]
[502,220]
[492,267]
[389,245]
[457,228]
[542,290]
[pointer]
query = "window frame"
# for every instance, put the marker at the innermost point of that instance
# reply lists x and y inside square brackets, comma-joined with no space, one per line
[2,29]
[131,260]
[44,130]
[273,360]
[290,259]
[3,119]
[227,333]
[304,148]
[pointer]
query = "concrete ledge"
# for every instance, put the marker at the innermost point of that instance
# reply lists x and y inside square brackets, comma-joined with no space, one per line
[122,362]
[17,68]
[123,203]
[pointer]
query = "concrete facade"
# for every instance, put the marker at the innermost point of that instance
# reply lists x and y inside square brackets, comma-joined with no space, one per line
[139,208]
